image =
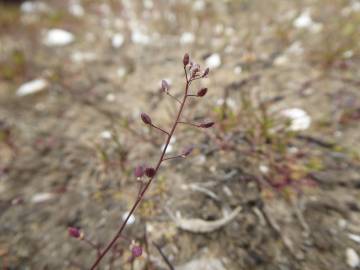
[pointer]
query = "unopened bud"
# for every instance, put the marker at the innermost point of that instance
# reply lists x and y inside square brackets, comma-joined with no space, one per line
[146,119]
[186,59]
[187,151]
[74,232]
[164,86]
[207,125]
[150,172]
[206,72]
[139,171]
[202,92]
[136,251]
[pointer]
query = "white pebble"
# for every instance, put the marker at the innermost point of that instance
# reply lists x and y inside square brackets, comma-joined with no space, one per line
[32,87]
[110,97]
[352,258]
[131,218]
[76,9]
[213,61]
[80,57]
[58,37]
[187,38]
[42,197]
[138,37]
[300,120]
[117,40]
[354,237]
[106,134]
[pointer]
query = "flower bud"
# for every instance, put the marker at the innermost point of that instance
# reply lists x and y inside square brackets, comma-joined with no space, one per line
[206,125]
[187,151]
[202,92]
[146,119]
[164,86]
[186,59]
[206,72]
[139,171]
[74,232]
[136,251]
[150,172]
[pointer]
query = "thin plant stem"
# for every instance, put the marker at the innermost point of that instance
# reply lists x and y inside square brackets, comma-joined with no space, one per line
[167,133]
[141,196]
[166,260]
[170,95]
[178,156]
[187,123]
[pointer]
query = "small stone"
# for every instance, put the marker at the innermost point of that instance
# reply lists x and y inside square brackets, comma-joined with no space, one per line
[117,40]
[187,38]
[213,61]
[352,258]
[131,219]
[354,237]
[42,197]
[32,87]
[58,37]
[76,9]
[300,120]
[106,134]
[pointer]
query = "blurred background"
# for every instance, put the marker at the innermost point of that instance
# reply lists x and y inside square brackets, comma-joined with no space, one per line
[284,153]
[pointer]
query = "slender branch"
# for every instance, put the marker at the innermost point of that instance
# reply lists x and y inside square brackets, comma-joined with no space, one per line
[178,156]
[192,95]
[141,196]
[175,98]
[166,260]
[188,123]
[160,129]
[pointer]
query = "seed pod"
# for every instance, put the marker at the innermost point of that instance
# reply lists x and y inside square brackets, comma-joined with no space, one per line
[139,171]
[206,72]
[206,125]
[150,172]
[187,151]
[164,86]
[202,92]
[186,59]
[136,251]
[74,232]
[146,118]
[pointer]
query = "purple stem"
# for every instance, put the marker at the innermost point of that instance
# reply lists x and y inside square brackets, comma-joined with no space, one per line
[141,196]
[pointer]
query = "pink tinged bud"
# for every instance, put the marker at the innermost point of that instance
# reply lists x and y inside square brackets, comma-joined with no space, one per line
[136,251]
[202,92]
[164,86]
[146,119]
[206,72]
[207,125]
[186,59]
[74,232]
[139,171]
[150,172]
[187,151]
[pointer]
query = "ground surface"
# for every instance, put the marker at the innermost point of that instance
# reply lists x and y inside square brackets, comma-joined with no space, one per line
[67,152]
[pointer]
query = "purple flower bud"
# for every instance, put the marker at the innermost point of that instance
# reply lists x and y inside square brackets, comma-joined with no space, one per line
[206,125]
[195,70]
[150,172]
[164,86]
[136,251]
[74,232]
[202,92]
[146,119]
[186,59]
[139,171]
[206,72]
[187,151]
